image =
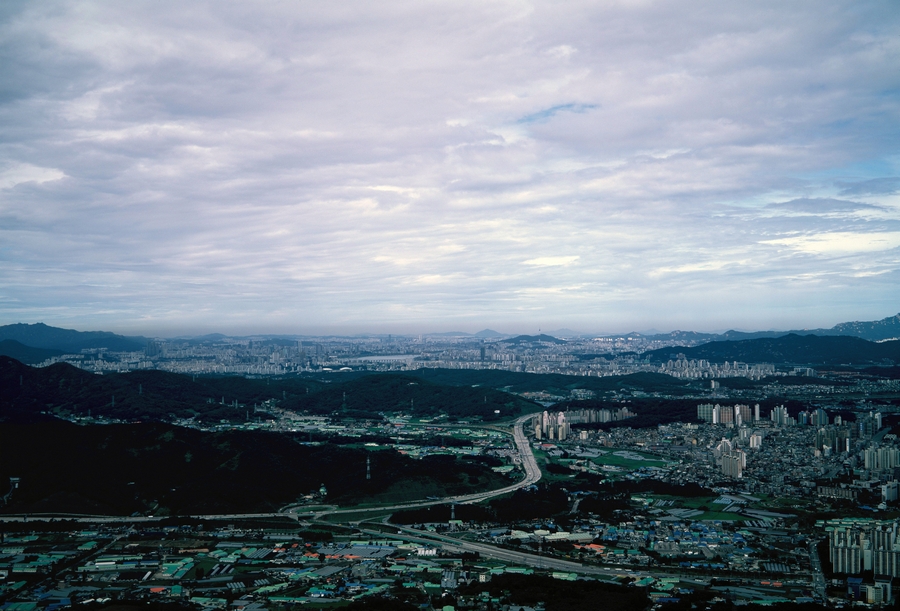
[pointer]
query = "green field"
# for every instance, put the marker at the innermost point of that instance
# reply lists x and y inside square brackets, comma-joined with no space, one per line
[720,515]
[543,460]
[626,460]
[629,462]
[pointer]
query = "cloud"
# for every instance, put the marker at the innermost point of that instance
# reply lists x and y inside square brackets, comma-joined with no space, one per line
[875,186]
[25,173]
[821,206]
[548,113]
[413,166]
[842,242]
[551,261]
[562,51]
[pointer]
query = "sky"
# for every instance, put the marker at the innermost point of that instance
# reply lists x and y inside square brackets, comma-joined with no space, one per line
[408,167]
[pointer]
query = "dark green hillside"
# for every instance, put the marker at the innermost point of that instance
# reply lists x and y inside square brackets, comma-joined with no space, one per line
[61,389]
[158,468]
[745,383]
[158,395]
[381,393]
[892,373]
[790,349]
[530,382]
[43,336]
[26,354]
[139,395]
[558,595]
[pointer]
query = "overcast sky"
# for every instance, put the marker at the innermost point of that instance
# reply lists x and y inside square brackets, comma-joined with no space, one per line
[297,166]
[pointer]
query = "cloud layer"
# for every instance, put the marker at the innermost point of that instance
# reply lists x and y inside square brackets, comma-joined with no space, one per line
[313,167]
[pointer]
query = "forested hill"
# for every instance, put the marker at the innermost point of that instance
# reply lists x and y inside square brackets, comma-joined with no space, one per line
[44,336]
[553,382]
[62,389]
[26,354]
[382,393]
[162,469]
[138,395]
[790,349]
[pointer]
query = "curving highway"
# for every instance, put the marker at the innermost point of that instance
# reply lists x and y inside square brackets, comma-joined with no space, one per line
[526,457]
[314,513]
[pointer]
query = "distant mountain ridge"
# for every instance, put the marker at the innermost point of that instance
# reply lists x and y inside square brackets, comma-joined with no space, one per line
[793,349]
[44,336]
[873,331]
[489,333]
[886,328]
[531,339]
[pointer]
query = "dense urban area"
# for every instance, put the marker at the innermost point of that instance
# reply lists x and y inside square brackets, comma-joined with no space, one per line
[601,356]
[451,472]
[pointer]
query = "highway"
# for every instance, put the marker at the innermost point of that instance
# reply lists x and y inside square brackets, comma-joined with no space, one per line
[526,456]
[532,476]
[818,578]
[529,464]
[394,531]
[500,553]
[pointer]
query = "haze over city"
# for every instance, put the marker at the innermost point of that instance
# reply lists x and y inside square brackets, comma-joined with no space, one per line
[170,168]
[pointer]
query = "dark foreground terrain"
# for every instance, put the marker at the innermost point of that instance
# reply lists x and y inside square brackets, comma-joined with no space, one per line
[161,469]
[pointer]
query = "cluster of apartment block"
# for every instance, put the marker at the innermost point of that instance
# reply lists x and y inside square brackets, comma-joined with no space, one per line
[700,369]
[731,459]
[581,416]
[556,425]
[729,415]
[737,415]
[551,425]
[858,545]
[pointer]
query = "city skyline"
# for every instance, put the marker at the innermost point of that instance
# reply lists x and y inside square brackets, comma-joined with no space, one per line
[614,167]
